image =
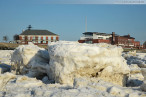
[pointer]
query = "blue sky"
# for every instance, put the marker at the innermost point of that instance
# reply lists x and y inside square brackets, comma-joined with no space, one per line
[68,20]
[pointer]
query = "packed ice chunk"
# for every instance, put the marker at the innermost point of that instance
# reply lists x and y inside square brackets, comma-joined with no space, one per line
[4,68]
[134,69]
[30,60]
[25,81]
[143,86]
[9,81]
[135,77]
[70,60]
[4,78]
[138,58]
[143,70]
[116,91]
[136,62]
[5,56]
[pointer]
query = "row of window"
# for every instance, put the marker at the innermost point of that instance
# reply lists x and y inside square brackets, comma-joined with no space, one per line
[100,37]
[43,41]
[39,37]
[125,40]
[125,43]
[103,38]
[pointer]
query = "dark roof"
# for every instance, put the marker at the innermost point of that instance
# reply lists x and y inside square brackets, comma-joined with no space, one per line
[97,33]
[37,32]
[88,33]
[116,35]
[128,36]
[104,34]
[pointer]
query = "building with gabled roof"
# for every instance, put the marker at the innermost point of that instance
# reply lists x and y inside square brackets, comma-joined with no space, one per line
[37,32]
[37,36]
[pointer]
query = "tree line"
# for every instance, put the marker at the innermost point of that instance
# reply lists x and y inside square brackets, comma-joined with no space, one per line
[15,38]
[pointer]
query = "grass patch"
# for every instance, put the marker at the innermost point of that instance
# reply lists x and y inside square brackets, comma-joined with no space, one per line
[12,46]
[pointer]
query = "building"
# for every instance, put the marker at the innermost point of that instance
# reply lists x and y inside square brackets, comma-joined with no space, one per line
[95,37]
[125,41]
[144,45]
[37,36]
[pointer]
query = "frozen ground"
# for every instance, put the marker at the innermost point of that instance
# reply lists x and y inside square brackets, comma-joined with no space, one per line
[23,86]
[32,59]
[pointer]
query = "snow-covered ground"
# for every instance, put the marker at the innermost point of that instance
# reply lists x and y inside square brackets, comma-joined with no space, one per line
[71,69]
[23,86]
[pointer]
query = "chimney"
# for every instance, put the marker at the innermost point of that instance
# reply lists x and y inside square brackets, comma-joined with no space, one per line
[113,38]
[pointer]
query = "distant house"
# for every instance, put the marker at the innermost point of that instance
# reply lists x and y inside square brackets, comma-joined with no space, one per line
[37,36]
[96,37]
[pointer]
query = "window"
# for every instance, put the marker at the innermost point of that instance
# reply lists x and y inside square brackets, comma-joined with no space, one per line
[39,41]
[54,37]
[34,42]
[90,42]
[49,38]
[49,41]
[23,37]
[39,37]
[44,41]
[100,37]
[44,37]
[33,37]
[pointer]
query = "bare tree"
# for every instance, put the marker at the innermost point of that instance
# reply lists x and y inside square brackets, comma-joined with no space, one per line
[5,38]
[16,37]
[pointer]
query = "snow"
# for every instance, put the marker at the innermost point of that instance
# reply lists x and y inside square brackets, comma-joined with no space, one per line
[5,60]
[4,68]
[144,72]
[30,60]
[18,85]
[4,78]
[69,60]
[43,74]
[5,56]
[143,86]
[135,77]
[137,58]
